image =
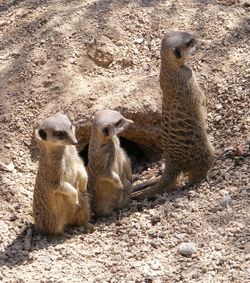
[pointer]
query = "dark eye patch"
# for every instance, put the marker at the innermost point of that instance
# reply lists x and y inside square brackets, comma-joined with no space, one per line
[177,53]
[118,123]
[42,134]
[59,134]
[105,131]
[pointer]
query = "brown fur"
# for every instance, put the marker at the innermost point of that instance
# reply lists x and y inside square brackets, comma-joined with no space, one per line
[184,139]
[109,167]
[60,196]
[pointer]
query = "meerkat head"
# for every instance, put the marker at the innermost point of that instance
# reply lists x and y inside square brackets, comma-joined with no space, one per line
[110,123]
[56,130]
[176,47]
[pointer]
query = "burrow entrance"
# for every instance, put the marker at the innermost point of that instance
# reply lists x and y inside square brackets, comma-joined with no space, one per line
[140,155]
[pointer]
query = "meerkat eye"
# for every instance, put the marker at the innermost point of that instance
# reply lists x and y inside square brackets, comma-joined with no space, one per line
[177,53]
[60,135]
[118,123]
[42,134]
[105,131]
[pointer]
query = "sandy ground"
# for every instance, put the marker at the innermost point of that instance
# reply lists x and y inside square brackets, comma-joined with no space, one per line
[54,53]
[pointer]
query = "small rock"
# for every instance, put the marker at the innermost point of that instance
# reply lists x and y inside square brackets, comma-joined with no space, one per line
[218,247]
[218,118]
[218,106]
[3,227]
[155,219]
[155,264]
[3,23]
[226,201]
[187,249]
[59,257]
[154,244]
[139,40]
[9,167]
[227,176]
[247,24]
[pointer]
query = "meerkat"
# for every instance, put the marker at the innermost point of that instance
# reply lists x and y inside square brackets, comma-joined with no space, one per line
[109,168]
[185,143]
[60,196]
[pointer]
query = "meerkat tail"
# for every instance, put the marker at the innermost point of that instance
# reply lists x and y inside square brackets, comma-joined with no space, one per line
[144,185]
[165,183]
[145,193]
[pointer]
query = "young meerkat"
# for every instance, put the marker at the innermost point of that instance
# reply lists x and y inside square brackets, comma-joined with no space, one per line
[185,143]
[60,196]
[109,167]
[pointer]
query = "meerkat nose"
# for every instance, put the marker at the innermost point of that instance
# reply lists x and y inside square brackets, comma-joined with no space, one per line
[73,139]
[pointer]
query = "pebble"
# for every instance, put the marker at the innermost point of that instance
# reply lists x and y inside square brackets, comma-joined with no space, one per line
[155,219]
[218,106]
[187,249]
[154,244]
[226,201]
[155,264]
[218,118]
[247,24]
[3,23]
[139,40]
[9,167]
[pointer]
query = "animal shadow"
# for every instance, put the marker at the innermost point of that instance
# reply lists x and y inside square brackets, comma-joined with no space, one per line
[20,250]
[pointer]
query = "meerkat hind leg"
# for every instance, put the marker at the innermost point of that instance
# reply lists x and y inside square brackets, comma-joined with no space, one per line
[81,218]
[195,179]
[113,178]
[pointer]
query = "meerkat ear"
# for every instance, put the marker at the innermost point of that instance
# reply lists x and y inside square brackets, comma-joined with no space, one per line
[128,122]
[42,134]
[177,52]
[125,123]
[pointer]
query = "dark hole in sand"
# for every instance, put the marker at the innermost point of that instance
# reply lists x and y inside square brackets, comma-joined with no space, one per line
[139,155]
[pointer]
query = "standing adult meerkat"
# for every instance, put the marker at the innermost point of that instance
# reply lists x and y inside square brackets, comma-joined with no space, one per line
[60,196]
[109,167]
[185,143]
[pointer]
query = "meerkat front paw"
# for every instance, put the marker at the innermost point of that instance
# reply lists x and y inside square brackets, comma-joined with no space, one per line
[89,227]
[121,188]
[77,205]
